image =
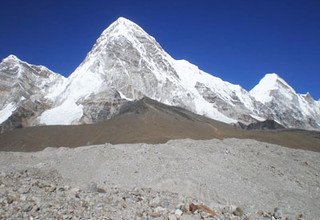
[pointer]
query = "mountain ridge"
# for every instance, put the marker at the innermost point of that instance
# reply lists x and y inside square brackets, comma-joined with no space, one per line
[126,64]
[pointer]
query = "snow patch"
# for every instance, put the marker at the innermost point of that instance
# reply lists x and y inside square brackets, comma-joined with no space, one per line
[257,117]
[124,97]
[6,112]
[64,114]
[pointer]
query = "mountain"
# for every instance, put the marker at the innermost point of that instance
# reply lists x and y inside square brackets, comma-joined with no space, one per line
[22,90]
[126,60]
[127,64]
[288,108]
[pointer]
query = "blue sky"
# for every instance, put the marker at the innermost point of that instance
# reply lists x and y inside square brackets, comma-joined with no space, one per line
[238,41]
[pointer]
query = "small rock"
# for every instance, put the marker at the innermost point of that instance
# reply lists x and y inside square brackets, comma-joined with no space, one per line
[138,216]
[154,214]
[178,212]
[66,217]
[188,217]
[61,189]
[277,213]
[172,217]
[101,190]
[264,214]
[160,210]
[2,174]
[154,202]
[27,208]
[228,209]
[179,206]
[24,190]
[52,188]
[75,192]
[10,199]
[300,217]
[289,218]
[84,203]
[202,208]
[238,212]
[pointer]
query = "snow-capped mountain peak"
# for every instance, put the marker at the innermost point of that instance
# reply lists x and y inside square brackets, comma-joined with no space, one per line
[270,83]
[126,64]
[22,90]
[291,108]
[122,27]
[11,57]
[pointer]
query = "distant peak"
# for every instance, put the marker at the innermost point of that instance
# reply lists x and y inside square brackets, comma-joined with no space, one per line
[308,96]
[122,20]
[270,82]
[271,76]
[273,79]
[11,57]
[122,26]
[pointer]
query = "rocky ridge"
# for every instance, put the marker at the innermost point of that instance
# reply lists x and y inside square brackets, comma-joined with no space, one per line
[23,88]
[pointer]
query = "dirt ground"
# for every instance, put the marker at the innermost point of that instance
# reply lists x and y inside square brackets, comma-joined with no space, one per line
[148,122]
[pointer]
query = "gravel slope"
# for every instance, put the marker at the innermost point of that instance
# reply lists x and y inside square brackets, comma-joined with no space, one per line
[253,175]
[148,121]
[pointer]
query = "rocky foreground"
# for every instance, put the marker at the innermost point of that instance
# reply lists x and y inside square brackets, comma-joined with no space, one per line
[182,179]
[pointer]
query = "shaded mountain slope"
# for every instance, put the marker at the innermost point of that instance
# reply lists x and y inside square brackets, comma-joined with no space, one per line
[147,121]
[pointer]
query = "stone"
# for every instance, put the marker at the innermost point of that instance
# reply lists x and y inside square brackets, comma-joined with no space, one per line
[178,212]
[10,199]
[189,217]
[101,190]
[52,188]
[289,218]
[228,209]
[277,213]
[24,190]
[172,217]
[2,174]
[27,208]
[238,212]
[202,208]
[154,202]
[160,210]
[154,214]
[138,217]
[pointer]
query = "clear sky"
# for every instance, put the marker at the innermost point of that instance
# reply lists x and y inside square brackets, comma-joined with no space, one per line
[239,41]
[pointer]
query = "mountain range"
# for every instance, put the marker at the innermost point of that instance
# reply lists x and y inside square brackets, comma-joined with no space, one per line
[127,64]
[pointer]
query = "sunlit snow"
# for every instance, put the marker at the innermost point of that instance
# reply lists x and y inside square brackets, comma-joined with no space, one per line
[6,112]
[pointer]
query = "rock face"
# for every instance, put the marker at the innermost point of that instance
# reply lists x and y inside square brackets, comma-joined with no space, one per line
[22,90]
[126,64]
[262,125]
[287,107]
